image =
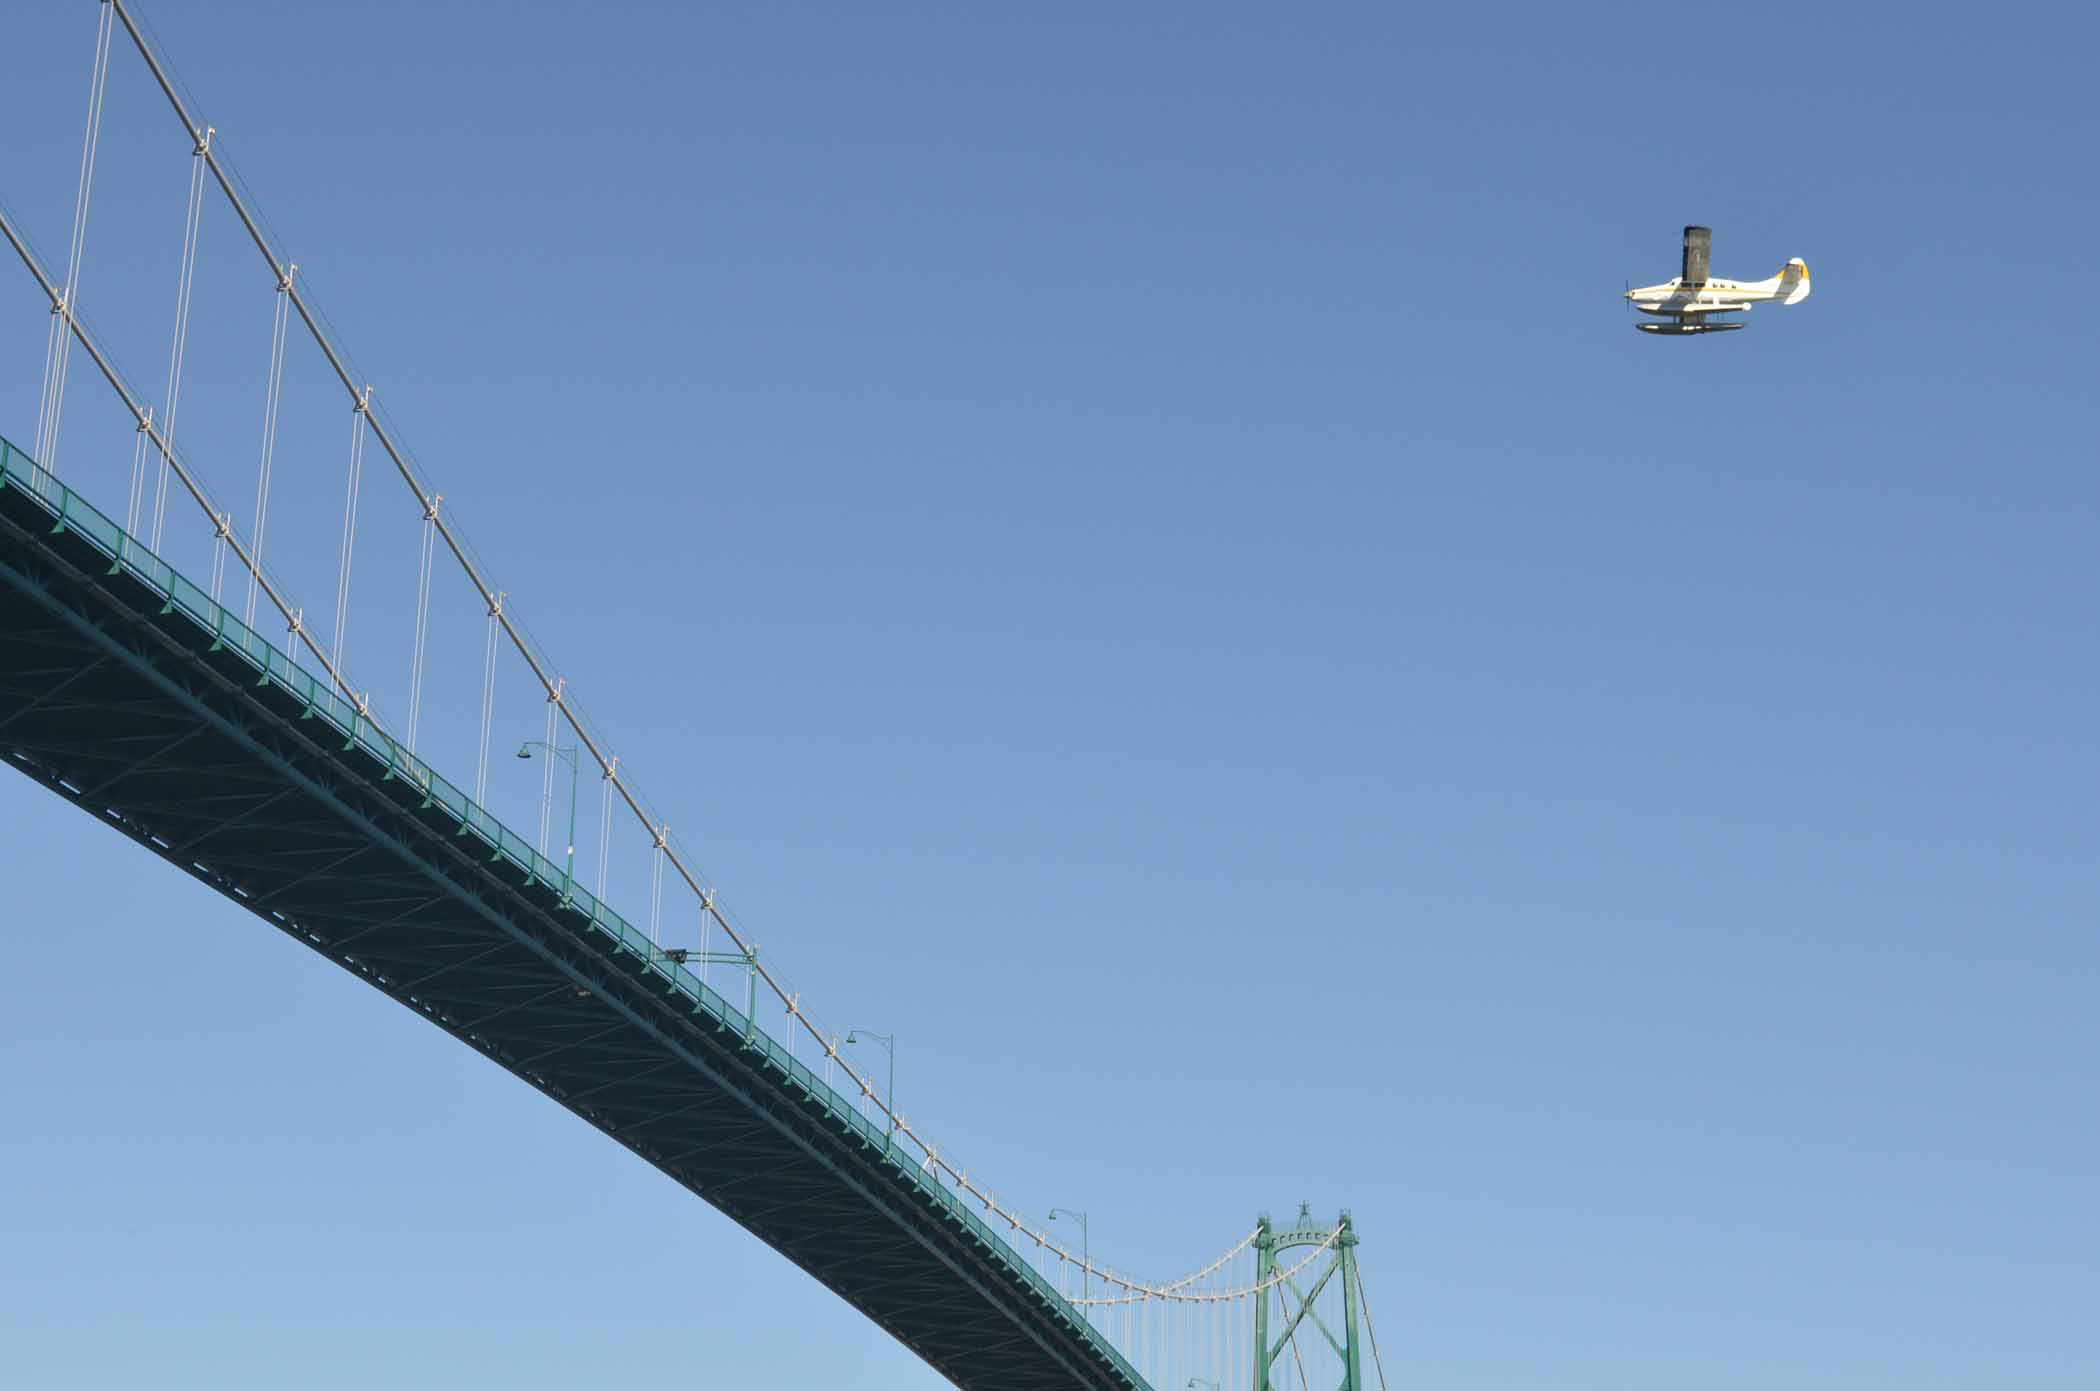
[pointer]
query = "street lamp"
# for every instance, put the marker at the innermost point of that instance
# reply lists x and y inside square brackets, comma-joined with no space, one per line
[525,749]
[889,1046]
[1086,1260]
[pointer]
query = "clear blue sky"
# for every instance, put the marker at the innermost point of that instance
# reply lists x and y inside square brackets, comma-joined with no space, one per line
[1139,547]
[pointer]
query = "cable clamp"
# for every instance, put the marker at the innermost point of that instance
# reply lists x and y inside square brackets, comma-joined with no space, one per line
[660,833]
[612,769]
[363,404]
[298,621]
[554,696]
[224,527]
[496,605]
[203,142]
[364,705]
[284,277]
[146,420]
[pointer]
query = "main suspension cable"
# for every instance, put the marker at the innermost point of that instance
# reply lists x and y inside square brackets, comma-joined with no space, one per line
[1357,1268]
[140,413]
[589,743]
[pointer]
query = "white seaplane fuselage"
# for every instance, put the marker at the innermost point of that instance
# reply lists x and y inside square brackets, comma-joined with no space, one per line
[1674,297]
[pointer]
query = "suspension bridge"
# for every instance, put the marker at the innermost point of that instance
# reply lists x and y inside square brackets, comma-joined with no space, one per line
[163,706]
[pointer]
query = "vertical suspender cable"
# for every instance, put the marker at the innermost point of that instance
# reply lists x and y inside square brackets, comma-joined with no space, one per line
[707,921]
[656,905]
[138,474]
[605,801]
[54,344]
[547,779]
[350,492]
[278,323]
[488,704]
[1140,1344]
[185,279]
[1296,1355]
[1214,1311]
[415,665]
[59,351]
[222,531]
[1207,1331]
[587,741]
[1156,1344]
[190,485]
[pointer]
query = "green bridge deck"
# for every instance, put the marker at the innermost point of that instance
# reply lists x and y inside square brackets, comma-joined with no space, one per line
[126,690]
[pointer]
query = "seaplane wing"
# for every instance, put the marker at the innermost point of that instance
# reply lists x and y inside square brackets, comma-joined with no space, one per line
[1685,304]
[1698,250]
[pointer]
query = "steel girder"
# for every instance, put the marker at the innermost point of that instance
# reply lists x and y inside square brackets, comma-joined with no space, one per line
[129,711]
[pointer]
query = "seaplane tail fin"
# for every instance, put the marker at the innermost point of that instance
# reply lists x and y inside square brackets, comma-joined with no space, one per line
[1793,281]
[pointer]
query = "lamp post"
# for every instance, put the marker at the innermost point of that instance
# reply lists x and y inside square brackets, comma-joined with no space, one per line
[1086,1260]
[889,1046]
[568,878]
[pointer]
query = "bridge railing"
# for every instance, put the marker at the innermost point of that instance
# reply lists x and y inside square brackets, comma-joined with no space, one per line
[275,665]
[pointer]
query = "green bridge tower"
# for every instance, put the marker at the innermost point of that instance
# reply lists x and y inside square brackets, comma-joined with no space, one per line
[1297,1292]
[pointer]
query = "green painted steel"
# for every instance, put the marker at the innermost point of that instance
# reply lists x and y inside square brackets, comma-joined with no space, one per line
[1264,1274]
[125,689]
[1298,1300]
[103,645]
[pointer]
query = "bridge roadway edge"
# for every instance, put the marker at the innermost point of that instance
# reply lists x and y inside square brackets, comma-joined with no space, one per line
[238,791]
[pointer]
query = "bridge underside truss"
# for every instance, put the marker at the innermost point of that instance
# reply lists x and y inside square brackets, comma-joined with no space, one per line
[127,706]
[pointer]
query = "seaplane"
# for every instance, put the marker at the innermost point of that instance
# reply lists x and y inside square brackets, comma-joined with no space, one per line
[1685,305]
